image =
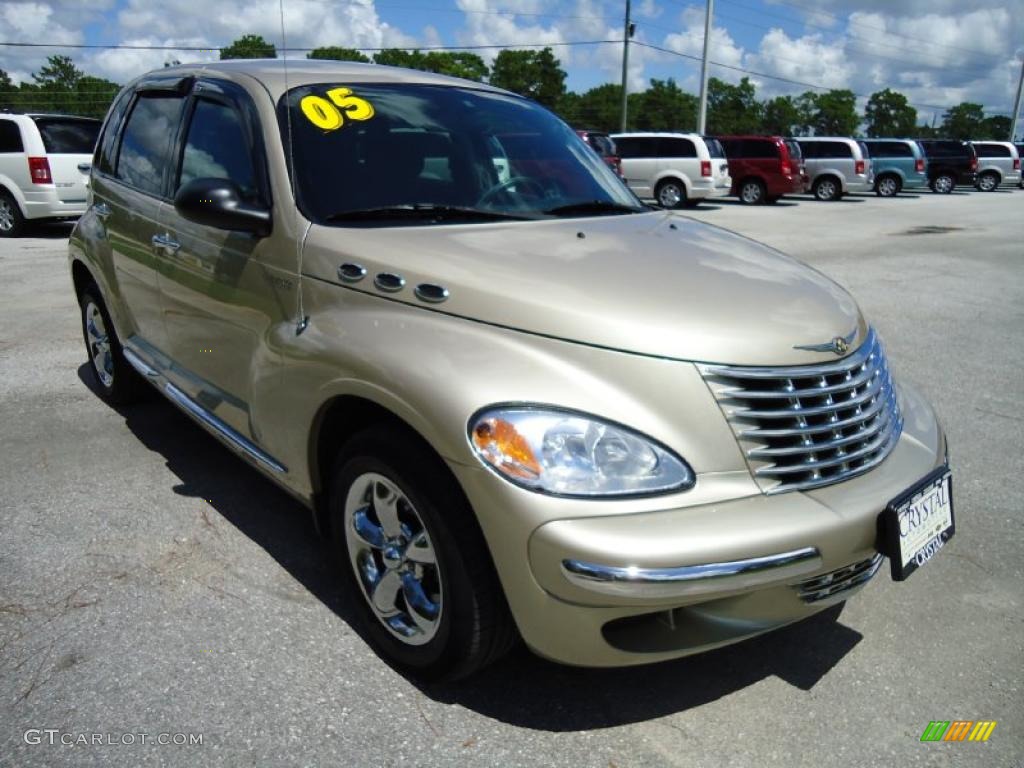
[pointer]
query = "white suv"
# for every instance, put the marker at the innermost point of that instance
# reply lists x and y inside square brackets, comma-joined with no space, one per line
[44,167]
[676,169]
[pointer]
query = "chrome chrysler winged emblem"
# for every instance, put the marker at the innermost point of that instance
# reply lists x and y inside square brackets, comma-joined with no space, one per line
[840,344]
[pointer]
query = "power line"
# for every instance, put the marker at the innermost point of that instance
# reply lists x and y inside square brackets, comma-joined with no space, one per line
[801,83]
[215,49]
[792,20]
[878,29]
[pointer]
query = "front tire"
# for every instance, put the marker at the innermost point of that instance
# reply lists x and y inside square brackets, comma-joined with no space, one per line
[671,193]
[827,189]
[12,222]
[418,574]
[115,379]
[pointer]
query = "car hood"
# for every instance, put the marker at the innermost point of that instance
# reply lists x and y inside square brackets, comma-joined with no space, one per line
[654,284]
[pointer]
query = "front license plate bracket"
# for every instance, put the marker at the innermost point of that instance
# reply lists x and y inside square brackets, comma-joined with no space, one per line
[918,523]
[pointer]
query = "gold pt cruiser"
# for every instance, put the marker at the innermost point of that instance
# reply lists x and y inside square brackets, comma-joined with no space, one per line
[518,401]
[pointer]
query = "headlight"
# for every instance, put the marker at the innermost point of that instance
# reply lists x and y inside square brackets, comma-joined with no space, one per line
[569,454]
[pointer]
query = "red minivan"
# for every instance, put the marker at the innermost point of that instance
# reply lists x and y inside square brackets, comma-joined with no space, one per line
[602,143]
[764,168]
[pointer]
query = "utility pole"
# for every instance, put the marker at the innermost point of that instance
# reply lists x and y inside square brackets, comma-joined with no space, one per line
[703,114]
[627,33]
[1016,102]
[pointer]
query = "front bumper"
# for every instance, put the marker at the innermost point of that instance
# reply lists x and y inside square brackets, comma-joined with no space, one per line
[621,589]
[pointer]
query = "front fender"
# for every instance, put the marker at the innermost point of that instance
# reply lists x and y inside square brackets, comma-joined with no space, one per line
[434,371]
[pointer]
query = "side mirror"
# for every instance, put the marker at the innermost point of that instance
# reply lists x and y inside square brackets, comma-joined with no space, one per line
[218,203]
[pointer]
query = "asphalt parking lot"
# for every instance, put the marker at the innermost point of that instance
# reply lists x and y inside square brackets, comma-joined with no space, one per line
[151,583]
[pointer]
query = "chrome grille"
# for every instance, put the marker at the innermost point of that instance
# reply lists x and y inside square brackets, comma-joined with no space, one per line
[807,426]
[838,581]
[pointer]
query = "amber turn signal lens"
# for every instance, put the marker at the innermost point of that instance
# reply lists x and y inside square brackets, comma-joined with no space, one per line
[506,449]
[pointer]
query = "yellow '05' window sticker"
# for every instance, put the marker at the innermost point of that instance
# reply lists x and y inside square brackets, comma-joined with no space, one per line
[339,107]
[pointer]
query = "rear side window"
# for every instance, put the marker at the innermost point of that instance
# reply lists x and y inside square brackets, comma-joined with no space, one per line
[107,144]
[992,150]
[637,147]
[715,149]
[63,136]
[217,147]
[601,144]
[809,149]
[890,149]
[758,150]
[676,148]
[10,137]
[832,149]
[146,141]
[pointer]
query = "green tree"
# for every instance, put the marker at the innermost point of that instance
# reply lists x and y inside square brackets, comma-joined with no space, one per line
[806,107]
[537,75]
[888,115]
[835,113]
[462,64]
[396,57]
[781,116]
[733,108]
[249,47]
[598,109]
[53,87]
[664,106]
[963,121]
[58,72]
[996,127]
[8,91]
[334,53]
[94,96]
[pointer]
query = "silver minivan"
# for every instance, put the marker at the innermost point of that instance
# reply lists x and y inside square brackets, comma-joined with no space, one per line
[676,169]
[998,163]
[836,166]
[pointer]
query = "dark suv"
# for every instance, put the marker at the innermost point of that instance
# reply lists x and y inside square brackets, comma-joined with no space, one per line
[764,168]
[950,163]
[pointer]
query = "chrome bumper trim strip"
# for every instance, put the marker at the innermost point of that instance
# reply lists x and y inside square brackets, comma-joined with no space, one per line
[688,580]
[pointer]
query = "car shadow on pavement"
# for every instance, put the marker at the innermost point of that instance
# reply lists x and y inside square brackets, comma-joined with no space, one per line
[521,689]
[55,230]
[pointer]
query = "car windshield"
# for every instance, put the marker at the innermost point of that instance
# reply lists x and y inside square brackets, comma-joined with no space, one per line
[406,154]
[794,149]
[68,136]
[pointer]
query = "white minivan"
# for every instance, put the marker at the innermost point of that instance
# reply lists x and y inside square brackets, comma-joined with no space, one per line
[675,169]
[998,163]
[44,168]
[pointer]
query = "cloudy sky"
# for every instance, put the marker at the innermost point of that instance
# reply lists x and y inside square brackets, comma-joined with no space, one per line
[938,52]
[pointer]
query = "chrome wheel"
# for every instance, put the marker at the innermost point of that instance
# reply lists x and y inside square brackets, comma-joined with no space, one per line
[944,184]
[99,345]
[393,558]
[751,193]
[988,182]
[826,190]
[6,215]
[887,186]
[670,195]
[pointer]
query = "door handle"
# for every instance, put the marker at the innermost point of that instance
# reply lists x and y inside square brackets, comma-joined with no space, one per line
[165,242]
[85,167]
[102,210]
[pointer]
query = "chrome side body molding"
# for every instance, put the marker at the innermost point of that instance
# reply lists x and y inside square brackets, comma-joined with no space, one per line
[202,415]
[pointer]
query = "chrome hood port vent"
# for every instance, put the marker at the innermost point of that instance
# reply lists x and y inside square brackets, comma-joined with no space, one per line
[804,427]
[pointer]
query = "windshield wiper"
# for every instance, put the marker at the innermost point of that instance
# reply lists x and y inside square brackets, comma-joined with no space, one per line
[593,206]
[427,211]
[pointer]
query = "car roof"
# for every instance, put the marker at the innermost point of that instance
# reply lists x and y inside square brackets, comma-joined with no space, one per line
[657,135]
[746,137]
[826,138]
[273,74]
